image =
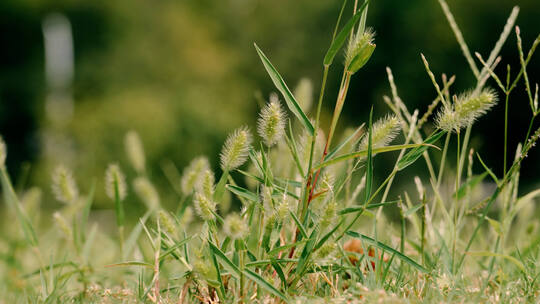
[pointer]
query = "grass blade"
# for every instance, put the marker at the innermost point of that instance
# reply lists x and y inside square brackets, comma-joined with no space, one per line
[409,158]
[385,247]
[242,192]
[342,36]
[282,87]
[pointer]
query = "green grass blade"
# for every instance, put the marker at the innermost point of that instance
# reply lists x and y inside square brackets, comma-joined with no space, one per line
[355,135]
[227,263]
[363,153]
[264,284]
[462,191]
[173,248]
[369,168]
[385,247]
[13,201]
[306,252]
[299,225]
[282,87]
[409,158]
[342,36]
[242,192]
[131,241]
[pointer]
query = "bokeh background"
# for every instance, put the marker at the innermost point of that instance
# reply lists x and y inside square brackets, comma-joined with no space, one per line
[184,73]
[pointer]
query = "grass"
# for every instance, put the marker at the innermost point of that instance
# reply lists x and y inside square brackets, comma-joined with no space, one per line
[311,226]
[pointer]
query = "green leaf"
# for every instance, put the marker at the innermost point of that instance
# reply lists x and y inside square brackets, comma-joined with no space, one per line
[248,273]
[134,235]
[282,87]
[220,187]
[342,36]
[243,192]
[13,201]
[328,235]
[412,210]
[173,248]
[132,263]
[306,252]
[469,185]
[299,225]
[233,269]
[409,158]
[355,134]
[385,247]
[218,273]
[363,153]
[279,271]
[363,208]
[285,247]
[369,169]
[264,284]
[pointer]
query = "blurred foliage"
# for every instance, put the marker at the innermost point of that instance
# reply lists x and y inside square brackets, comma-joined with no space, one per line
[184,73]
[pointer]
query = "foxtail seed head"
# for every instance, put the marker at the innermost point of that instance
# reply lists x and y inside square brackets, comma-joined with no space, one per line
[236,148]
[359,50]
[465,110]
[207,183]
[271,123]
[64,187]
[135,151]
[235,226]
[192,175]
[63,225]
[146,192]
[204,206]
[383,132]
[167,222]
[115,181]
[3,152]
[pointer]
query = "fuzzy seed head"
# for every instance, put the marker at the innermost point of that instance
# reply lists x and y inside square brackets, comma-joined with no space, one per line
[235,226]
[383,132]
[3,152]
[135,151]
[62,224]
[329,214]
[359,50]
[204,206]
[304,94]
[283,208]
[167,221]
[193,174]
[64,187]
[271,123]
[207,183]
[236,148]
[115,183]
[146,192]
[465,110]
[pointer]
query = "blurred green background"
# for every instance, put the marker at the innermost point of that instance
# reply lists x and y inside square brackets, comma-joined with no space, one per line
[184,73]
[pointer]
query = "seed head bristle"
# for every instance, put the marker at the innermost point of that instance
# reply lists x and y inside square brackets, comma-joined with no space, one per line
[135,151]
[146,192]
[271,123]
[115,181]
[193,174]
[167,221]
[465,110]
[204,206]
[63,225]
[383,132]
[235,226]
[207,183]
[236,148]
[64,187]
[359,50]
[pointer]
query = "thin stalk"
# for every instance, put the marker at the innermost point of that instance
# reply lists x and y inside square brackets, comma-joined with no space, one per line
[458,181]
[443,159]
[505,131]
